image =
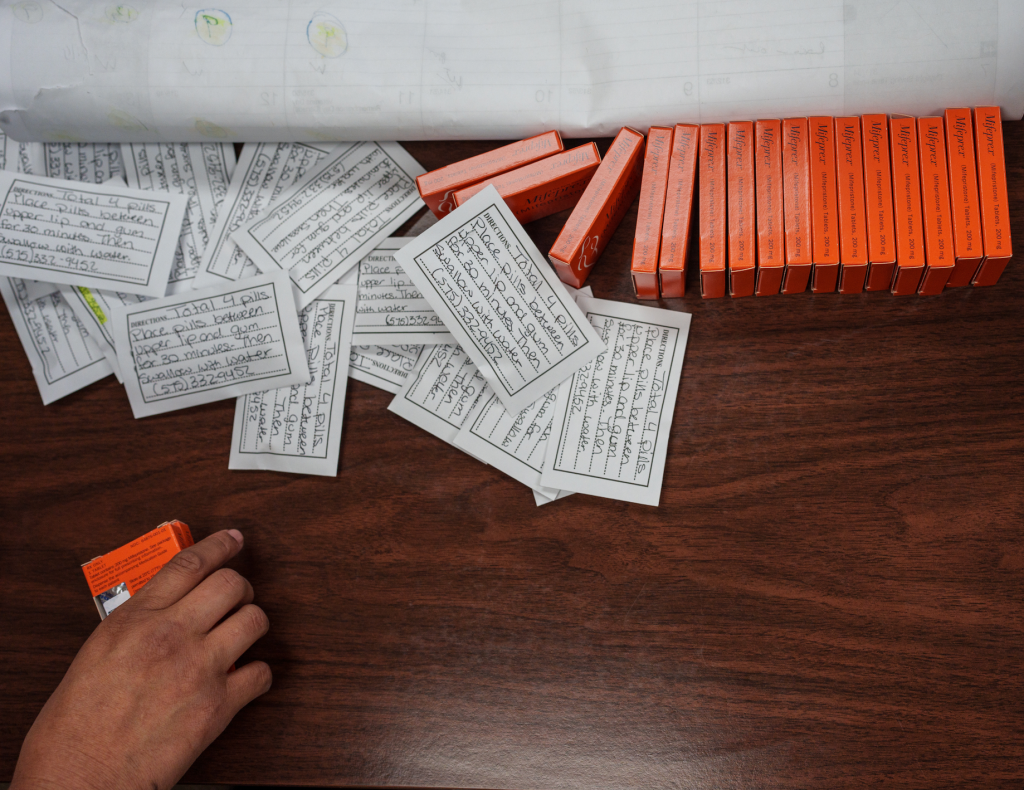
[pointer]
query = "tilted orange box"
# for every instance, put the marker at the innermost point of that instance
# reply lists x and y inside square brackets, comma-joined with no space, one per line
[439,186]
[824,217]
[543,188]
[114,577]
[599,212]
[771,242]
[878,199]
[796,205]
[675,227]
[650,212]
[853,242]
[742,223]
[968,248]
[995,206]
[938,231]
[713,238]
[906,190]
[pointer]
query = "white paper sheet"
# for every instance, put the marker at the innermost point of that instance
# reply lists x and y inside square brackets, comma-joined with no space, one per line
[298,428]
[500,298]
[612,418]
[321,227]
[443,69]
[542,499]
[91,163]
[201,172]
[392,311]
[205,346]
[440,392]
[18,157]
[264,171]
[63,356]
[81,234]
[384,367]
[94,309]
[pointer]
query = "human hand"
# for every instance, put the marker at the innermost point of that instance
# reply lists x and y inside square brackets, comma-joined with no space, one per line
[151,688]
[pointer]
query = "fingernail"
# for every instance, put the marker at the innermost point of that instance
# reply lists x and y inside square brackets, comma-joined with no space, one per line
[237,536]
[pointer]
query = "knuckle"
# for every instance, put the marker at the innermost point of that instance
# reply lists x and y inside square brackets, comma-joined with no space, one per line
[263,678]
[186,562]
[256,620]
[232,582]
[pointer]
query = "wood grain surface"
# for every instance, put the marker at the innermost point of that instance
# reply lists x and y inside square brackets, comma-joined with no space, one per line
[830,594]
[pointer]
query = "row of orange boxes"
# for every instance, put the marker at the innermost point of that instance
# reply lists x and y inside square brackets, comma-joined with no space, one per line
[911,205]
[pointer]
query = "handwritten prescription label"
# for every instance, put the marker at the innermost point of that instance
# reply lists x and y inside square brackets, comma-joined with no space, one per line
[384,367]
[612,418]
[80,234]
[501,300]
[210,345]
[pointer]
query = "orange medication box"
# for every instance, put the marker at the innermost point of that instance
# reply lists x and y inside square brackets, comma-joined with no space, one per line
[824,217]
[675,227]
[853,243]
[878,199]
[543,188]
[797,205]
[602,207]
[995,216]
[438,187]
[742,225]
[650,212]
[712,210]
[968,249]
[938,231]
[113,578]
[771,245]
[906,190]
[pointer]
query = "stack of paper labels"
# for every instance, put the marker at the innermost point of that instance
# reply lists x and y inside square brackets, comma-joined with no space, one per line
[206,279]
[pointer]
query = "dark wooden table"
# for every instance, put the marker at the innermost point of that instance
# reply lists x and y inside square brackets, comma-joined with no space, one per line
[831,593]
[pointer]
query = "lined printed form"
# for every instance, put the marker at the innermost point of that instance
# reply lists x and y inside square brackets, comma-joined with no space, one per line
[205,346]
[95,309]
[322,227]
[501,300]
[612,419]
[391,308]
[91,163]
[201,172]
[101,236]
[20,157]
[384,367]
[263,172]
[63,356]
[298,428]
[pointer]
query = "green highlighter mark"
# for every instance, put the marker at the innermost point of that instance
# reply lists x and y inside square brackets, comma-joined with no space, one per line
[93,304]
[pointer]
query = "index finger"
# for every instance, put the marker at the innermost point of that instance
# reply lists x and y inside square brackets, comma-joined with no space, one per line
[188,568]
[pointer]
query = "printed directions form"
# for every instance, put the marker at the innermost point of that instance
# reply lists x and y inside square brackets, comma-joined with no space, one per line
[612,419]
[95,309]
[264,171]
[501,300]
[392,311]
[201,172]
[63,356]
[322,227]
[91,163]
[209,345]
[440,392]
[100,236]
[384,367]
[298,428]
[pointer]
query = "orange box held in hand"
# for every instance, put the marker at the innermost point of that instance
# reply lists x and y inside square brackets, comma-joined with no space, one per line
[600,210]
[650,212]
[853,243]
[968,248]
[438,187]
[742,225]
[796,205]
[713,236]
[995,205]
[116,576]
[771,243]
[878,199]
[938,231]
[824,217]
[675,227]
[906,190]
[543,188]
